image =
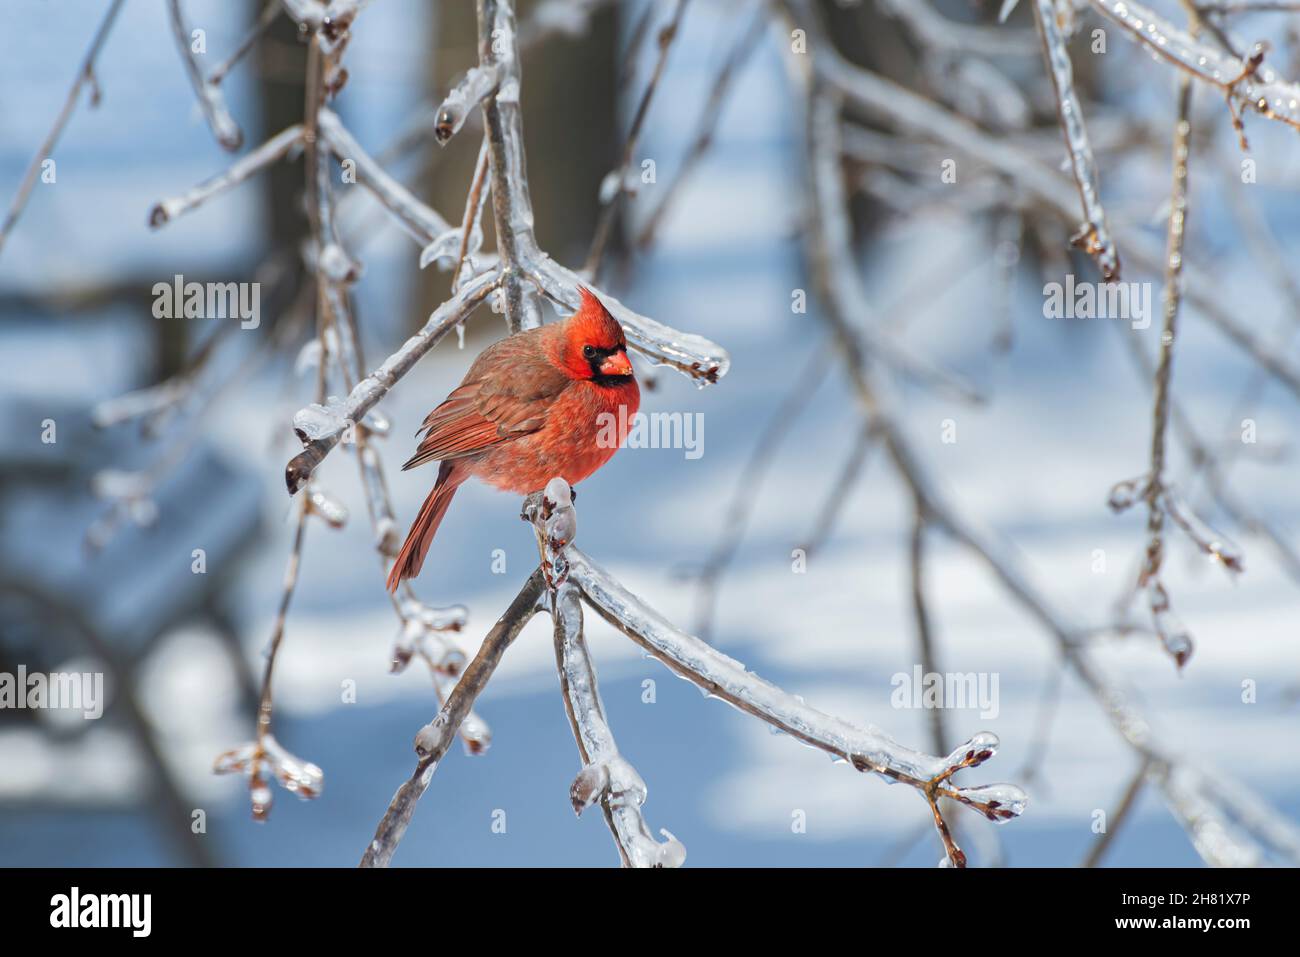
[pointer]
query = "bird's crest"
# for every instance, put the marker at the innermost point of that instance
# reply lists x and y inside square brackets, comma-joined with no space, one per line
[593,324]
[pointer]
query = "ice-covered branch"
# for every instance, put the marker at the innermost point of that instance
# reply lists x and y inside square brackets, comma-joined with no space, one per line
[1176,641]
[512,206]
[926,120]
[471,224]
[475,86]
[831,242]
[209,94]
[606,776]
[419,219]
[273,150]
[321,427]
[866,748]
[435,738]
[1247,81]
[85,77]
[1095,238]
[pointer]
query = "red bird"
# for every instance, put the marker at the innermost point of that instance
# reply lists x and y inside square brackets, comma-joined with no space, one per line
[535,405]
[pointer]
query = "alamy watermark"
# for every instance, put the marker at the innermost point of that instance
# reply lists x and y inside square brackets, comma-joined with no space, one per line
[179,299]
[133,912]
[652,430]
[949,690]
[1129,301]
[57,691]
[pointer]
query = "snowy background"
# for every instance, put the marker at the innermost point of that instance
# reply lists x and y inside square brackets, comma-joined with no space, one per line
[1068,419]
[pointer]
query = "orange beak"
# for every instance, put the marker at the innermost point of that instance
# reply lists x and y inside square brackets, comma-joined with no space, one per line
[616,364]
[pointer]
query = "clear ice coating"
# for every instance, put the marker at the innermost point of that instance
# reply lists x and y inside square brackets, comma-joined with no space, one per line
[974,752]
[1095,237]
[1211,542]
[433,737]
[1124,494]
[446,247]
[462,99]
[625,783]
[1247,82]
[1169,627]
[592,781]
[474,731]
[259,759]
[865,746]
[330,509]
[448,618]
[337,265]
[318,421]
[997,802]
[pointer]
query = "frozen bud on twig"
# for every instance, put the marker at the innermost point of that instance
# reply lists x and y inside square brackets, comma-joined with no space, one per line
[561,527]
[1173,634]
[320,503]
[556,495]
[1123,495]
[626,785]
[451,618]
[404,646]
[337,267]
[474,86]
[476,734]
[433,736]
[973,753]
[587,788]
[997,802]
[672,853]
[557,527]
[258,760]
[1216,546]
[445,247]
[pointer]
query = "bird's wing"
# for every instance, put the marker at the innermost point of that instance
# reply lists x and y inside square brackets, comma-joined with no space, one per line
[507,393]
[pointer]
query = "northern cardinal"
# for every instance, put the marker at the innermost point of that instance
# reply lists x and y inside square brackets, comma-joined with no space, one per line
[534,405]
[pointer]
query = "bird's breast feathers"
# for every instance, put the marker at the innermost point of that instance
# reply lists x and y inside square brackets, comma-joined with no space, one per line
[584,426]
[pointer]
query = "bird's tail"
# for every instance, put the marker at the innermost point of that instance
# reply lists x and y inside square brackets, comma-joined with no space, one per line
[420,537]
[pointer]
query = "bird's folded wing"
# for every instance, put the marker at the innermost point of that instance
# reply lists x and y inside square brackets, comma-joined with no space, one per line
[488,411]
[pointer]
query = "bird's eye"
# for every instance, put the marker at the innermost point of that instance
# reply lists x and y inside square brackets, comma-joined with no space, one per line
[589,351]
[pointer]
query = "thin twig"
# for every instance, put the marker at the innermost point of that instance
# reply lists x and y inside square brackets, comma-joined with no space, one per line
[1095,238]
[610,205]
[85,75]
[1113,823]
[215,111]
[1176,641]
[435,738]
